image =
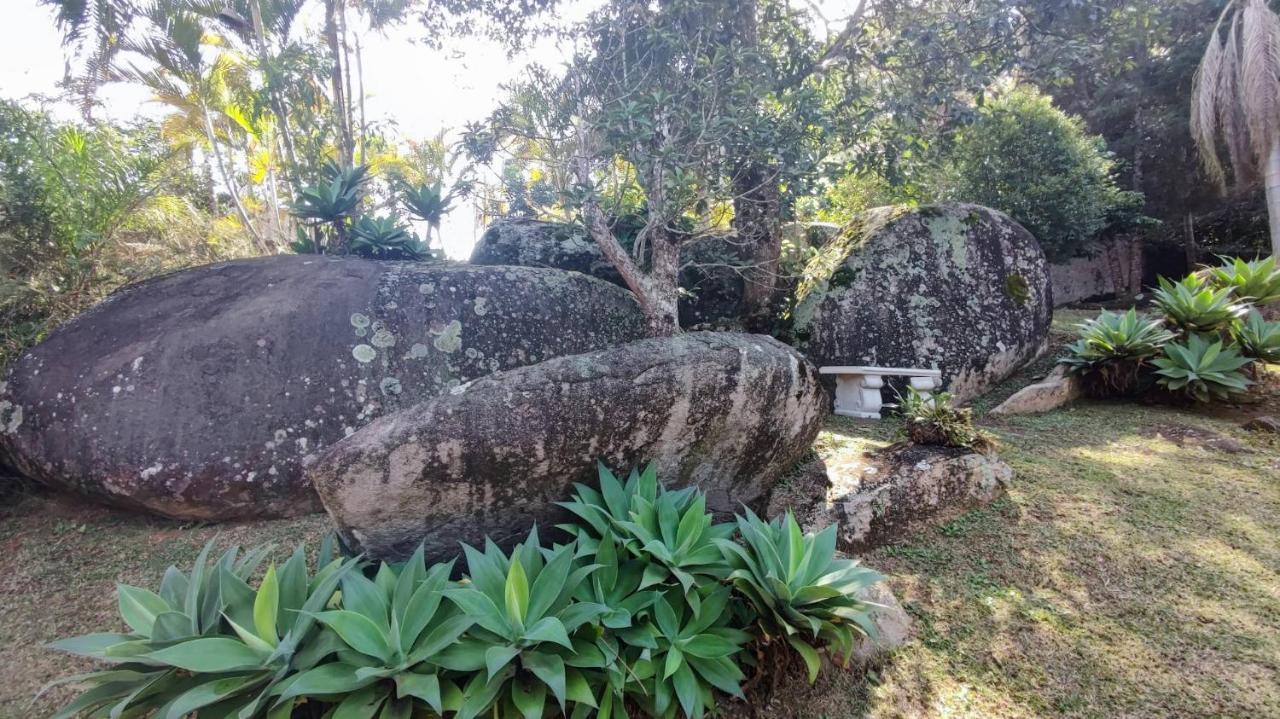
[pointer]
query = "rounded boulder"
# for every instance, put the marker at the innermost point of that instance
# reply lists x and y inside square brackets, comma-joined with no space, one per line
[200,394]
[730,413]
[955,287]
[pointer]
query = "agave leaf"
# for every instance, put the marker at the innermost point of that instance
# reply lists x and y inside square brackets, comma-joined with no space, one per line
[139,607]
[208,655]
[266,607]
[421,686]
[358,631]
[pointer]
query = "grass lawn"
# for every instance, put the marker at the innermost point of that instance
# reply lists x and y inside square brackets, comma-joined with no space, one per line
[1132,571]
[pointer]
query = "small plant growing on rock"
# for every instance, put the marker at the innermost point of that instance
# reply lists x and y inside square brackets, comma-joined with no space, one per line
[1203,370]
[1114,352]
[935,420]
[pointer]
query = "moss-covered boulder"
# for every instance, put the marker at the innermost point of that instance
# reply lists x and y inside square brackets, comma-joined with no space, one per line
[201,394]
[710,275]
[956,287]
[728,412]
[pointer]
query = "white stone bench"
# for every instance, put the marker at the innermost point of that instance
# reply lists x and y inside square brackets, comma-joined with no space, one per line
[858,388]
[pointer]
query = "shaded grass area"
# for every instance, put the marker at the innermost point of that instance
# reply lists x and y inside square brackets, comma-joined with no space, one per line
[1132,571]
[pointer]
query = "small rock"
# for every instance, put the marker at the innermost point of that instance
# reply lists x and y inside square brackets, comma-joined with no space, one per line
[1057,389]
[892,623]
[1265,423]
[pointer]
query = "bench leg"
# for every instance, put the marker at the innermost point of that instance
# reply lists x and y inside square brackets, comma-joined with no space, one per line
[925,386]
[858,396]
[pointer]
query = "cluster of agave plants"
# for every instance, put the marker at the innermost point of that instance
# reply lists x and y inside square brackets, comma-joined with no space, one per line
[1210,342]
[651,609]
[331,221]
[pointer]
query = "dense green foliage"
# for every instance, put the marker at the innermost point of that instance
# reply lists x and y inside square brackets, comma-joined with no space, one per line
[650,608]
[1193,305]
[1031,160]
[1202,369]
[1257,338]
[1257,281]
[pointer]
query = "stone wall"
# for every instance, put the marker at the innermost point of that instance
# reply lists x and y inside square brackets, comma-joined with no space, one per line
[1112,268]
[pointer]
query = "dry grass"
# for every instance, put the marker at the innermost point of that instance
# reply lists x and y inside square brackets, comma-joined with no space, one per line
[1133,571]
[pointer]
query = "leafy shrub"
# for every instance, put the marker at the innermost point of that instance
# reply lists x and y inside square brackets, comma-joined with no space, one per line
[1257,282]
[1038,164]
[933,419]
[1256,338]
[1114,350]
[797,588]
[649,609]
[1193,305]
[1202,369]
[385,238]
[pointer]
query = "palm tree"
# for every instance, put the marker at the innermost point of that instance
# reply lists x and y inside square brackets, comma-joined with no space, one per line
[1236,100]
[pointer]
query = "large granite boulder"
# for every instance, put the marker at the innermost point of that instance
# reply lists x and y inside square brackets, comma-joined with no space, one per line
[710,274]
[199,394]
[728,412]
[956,287]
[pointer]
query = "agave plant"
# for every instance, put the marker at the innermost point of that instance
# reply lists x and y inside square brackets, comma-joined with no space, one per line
[526,642]
[386,238]
[328,204]
[1113,350]
[1202,370]
[801,593]
[207,642]
[1192,305]
[1258,339]
[687,651]
[670,530]
[1257,281]
[391,629]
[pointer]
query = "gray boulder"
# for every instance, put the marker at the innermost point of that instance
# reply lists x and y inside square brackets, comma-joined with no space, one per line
[709,276]
[955,287]
[1048,394]
[728,412]
[199,394]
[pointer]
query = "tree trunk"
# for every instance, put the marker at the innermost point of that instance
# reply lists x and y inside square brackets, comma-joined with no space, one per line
[757,210]
[662,288]
[345,144]
[1273,196]
[226,179]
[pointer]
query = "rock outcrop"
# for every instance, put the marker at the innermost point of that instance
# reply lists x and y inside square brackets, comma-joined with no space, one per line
[728,412]
[955,287]
[200,394]
[1048,394]
[709,276]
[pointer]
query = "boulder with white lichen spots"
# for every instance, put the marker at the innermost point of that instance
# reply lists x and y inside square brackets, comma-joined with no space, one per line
[200,394]
[728,412]
[955,287]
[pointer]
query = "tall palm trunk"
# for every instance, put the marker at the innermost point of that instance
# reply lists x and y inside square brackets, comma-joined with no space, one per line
[336,81]
[1273,195]
[226,178]
[273,96]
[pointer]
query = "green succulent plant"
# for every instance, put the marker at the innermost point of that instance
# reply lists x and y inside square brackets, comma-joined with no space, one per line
[526,643]
[685,653]
[428,203]
[335,197]
[391,628]
[933,419]
[207,643]
[1192,305]
[1258,339]
[670,530]
[1113,350]
[1203,370]
[386,238]
[1256,281]
[801,593]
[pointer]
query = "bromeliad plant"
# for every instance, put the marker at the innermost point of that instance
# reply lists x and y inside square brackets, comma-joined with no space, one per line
[1202,369]
[1114,352]
[647,611]
[207,643]
[801,593]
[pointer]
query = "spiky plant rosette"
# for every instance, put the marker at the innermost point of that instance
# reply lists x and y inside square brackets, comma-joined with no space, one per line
[803,595]
[1203,370]
[1114,351]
